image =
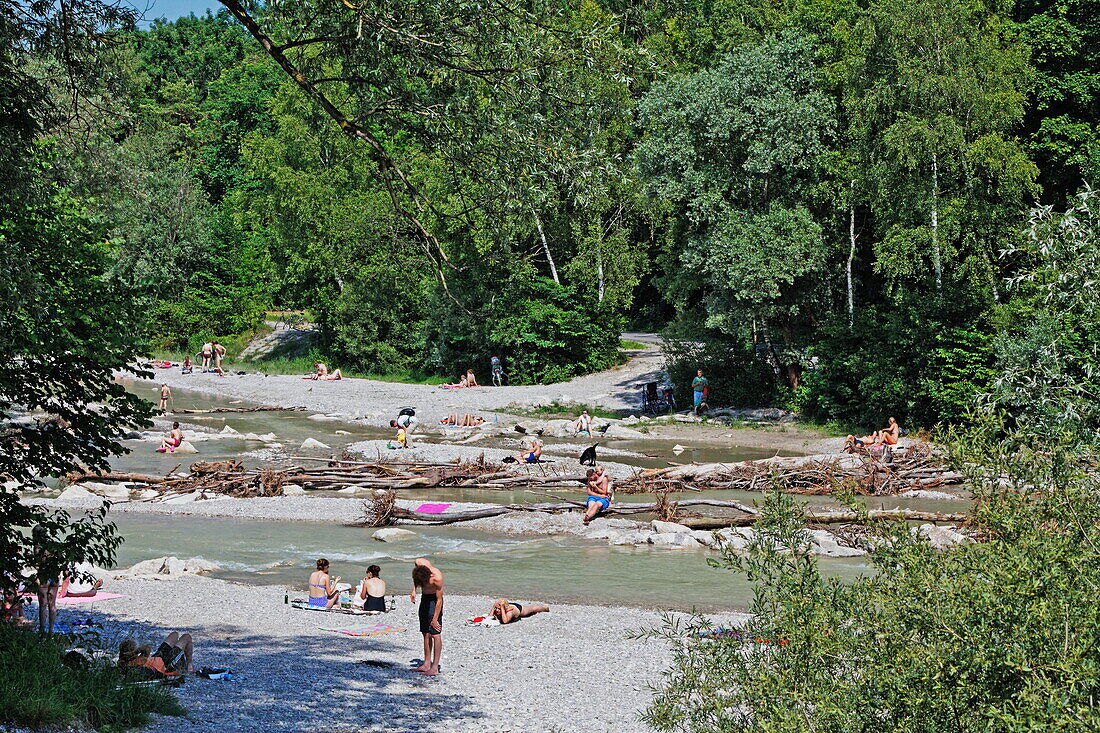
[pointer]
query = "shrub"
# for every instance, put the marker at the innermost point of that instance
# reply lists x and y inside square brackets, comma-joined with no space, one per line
[37,690]
[737,377]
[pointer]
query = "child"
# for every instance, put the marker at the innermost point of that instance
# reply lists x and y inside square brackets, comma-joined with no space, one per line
[187,365]
[11,609]
[165,395]
[402,438]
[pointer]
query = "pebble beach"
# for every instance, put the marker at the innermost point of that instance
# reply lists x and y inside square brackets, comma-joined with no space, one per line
[575,668]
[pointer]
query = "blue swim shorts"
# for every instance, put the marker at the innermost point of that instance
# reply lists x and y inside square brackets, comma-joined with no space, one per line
[603,501]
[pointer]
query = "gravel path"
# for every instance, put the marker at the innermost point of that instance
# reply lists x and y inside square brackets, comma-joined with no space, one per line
[572,669]
[615,389]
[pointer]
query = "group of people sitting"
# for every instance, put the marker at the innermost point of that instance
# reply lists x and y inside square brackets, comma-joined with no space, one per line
[325,590]
[878,440]
[465,380]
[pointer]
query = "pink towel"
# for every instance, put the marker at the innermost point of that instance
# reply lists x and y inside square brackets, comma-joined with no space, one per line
[76,600]
[433,508]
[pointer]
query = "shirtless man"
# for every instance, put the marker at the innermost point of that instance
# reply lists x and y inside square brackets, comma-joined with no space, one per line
[206,353]
[165,395]
[599,493]
[219,354]
[533,452]
[172,441]
[429,579]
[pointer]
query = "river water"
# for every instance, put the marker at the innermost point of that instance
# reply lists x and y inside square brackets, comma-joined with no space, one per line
[550,568]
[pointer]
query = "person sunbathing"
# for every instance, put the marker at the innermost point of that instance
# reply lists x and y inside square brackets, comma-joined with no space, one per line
[507,612]
[471,380]
[891,432]
[173,440]
[322,587]
[172,657]
[598,485]
[465,420]
[463,381]
[533,452]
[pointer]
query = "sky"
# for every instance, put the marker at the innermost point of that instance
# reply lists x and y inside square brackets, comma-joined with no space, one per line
[172,9]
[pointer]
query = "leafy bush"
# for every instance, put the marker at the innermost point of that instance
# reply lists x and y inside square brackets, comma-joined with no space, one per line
[737,376]
[37,690]
[999,635]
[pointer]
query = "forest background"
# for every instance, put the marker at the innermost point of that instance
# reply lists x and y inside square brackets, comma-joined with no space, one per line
[824,203]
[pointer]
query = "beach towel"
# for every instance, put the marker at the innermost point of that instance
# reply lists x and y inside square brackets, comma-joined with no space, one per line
[303,604]
[77,600]
[433,508]
[483,621]
[363,629]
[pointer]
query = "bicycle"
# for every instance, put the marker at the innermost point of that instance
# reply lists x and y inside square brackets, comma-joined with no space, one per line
[498,377]
[291,321]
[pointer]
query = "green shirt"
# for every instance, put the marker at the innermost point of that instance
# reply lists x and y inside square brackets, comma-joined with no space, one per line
[699,384]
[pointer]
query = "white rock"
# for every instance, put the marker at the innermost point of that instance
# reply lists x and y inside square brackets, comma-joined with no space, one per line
[825,543]
[673,539]
[927,494]
[737,538]
[293,490]
[109,491]
[268,437]
[628,537]
[311,443]
[342,432]
[632,420]
[196,565]
[942,538]
[666,527]
[704,537]
[147,494]
[229,431]
[619,431]
[77,492]
[393,534]
[169,566]
[350,490]
[186,447]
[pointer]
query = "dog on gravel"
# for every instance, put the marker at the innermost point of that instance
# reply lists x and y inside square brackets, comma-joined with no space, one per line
[588,455]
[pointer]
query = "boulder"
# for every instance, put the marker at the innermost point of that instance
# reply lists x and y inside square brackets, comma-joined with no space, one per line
[705,538]
[825,544]
[665,527]
[393,534]
[187,498]
[168,566]
[628,537]
[229,431]
[77,492]
[632,420]
[621,431]
[114,492]
[736,538]
[942,538]
[186,447]
[351,490]
[312,443]
[147,494]
[673,539]
[293,490]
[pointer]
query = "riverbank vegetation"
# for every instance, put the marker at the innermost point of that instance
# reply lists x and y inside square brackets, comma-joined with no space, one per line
[821,204]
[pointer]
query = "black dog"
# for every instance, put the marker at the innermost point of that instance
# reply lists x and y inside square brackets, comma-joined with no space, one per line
[588,455]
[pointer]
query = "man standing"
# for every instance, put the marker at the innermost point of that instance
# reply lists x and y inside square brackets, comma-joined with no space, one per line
[219,354]
[207,353]
[699,386]
[429,580]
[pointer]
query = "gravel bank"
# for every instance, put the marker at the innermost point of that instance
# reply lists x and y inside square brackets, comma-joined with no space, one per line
[535,675]
[377,402]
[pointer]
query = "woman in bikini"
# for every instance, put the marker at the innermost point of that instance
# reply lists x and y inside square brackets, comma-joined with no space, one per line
[173,440]
[508,611]
[891,432]
[322,587]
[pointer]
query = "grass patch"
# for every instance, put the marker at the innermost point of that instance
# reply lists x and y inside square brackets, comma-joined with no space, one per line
[561,410]
[37,690]
[628,345]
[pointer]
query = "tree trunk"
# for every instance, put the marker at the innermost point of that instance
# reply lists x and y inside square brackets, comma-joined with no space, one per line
[851,253]
[546,248]
[937,257]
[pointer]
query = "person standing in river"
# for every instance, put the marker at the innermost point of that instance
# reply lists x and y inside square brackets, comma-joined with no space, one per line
[165,395]
[429,579]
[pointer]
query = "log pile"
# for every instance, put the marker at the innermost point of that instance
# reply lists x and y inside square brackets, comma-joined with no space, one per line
[213,410]
[865,474]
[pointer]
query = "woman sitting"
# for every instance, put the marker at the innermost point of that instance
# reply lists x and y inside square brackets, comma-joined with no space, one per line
[471,380]
[322,372]
[372,591]
[172,657]
[322,586]
[508,611]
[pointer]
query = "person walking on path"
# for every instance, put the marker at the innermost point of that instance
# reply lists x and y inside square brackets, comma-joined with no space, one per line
[700,386]
[429,580]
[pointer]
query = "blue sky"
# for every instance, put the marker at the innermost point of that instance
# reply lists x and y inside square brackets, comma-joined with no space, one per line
[172,9]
